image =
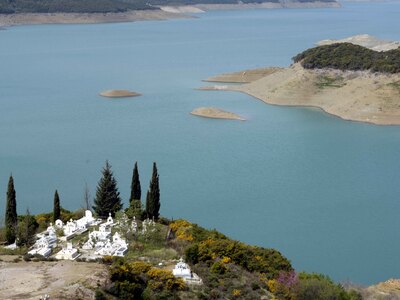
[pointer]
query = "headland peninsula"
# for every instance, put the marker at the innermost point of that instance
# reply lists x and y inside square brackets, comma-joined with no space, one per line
[345,78]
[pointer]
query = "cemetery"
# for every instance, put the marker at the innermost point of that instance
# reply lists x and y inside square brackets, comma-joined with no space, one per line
[88,237]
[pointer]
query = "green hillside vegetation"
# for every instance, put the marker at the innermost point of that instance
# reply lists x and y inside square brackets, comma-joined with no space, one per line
[229,269]
[104,6]
[347,56]
[70,6]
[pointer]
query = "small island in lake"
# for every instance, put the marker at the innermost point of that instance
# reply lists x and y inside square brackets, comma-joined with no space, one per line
[351,81]
[216,113]
[119,94]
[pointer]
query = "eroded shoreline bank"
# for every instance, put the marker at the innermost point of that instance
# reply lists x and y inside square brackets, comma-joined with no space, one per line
[350,95]
[87,18]
[164,13]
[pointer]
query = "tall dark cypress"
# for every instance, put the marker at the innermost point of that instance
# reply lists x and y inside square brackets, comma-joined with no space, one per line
[56,208]
[153,196]
[107,198]
[11,212]
[136,191]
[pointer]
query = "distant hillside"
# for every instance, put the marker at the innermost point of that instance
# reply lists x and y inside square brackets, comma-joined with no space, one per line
[70,6]
[104,6]
[347,56]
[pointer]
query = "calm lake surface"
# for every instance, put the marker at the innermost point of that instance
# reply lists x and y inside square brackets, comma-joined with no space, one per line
[325,192]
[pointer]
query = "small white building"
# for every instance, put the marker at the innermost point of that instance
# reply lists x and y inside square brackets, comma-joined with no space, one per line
[183,271]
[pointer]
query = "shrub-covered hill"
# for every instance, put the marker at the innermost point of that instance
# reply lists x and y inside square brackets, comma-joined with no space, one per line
[104,6]
[229,269]
[347,56]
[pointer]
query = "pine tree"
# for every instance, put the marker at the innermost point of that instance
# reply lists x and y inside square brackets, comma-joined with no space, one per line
[56,208]
[136,193]
[11,212]
[153,196]
[107,198]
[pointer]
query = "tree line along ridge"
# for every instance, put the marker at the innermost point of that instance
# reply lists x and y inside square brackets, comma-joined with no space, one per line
[347,56]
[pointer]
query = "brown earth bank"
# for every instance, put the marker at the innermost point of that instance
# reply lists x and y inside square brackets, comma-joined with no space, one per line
[86,18]
[351,95]
[388,290]
[59,280]
[198,8]
[215,113]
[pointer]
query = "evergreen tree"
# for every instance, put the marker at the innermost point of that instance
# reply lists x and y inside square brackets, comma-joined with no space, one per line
[153,196]
[27,228]
[11,212]
[135,208]
[56,208]
[136,191]
[107,198]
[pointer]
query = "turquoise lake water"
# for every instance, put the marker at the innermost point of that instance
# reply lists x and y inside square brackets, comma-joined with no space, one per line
[323,191]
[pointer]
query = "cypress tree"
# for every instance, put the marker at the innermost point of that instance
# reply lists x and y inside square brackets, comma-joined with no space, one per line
[153,196]
[11,212]
[107,198]
[56,208]
[136,193]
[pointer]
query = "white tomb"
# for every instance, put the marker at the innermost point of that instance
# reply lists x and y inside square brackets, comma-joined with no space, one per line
[110,220]
[41,247]
[59,224]
[68,253]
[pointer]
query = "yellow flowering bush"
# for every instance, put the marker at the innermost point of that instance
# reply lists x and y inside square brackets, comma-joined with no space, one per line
[236,293]
[226,260]
[164,279]
[182,230]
